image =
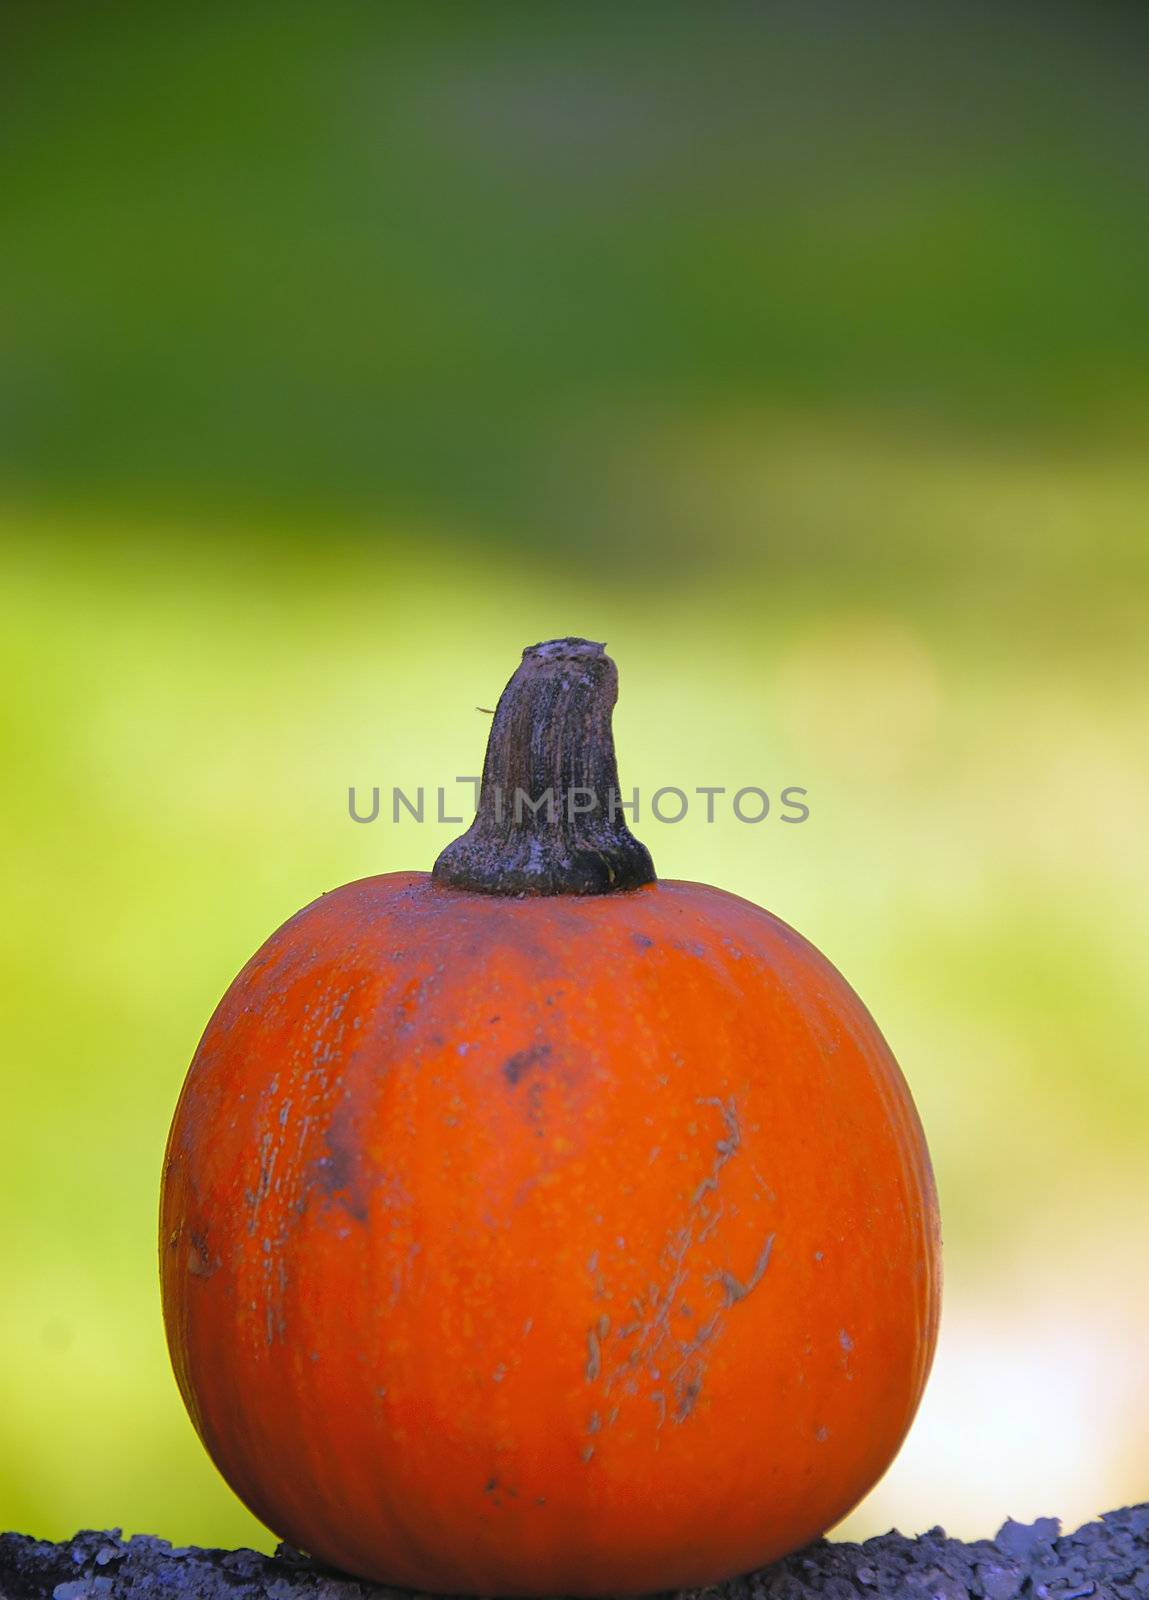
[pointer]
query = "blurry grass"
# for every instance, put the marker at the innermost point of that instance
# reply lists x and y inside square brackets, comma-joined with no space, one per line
[344,255]
[182,720]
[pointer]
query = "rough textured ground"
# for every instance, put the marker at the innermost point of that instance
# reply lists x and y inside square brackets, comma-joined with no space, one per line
[1108,1560]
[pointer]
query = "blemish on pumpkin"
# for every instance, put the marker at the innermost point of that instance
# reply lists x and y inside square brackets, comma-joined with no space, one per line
[514,1067]
[535,1105]
[712,1219]
[593,1356]
[338,1175]
[687,1395]
[845,1341]
[201,1262]
[642,941]
[652,1343]
[737,1290]
[821,1435]
[268,1152]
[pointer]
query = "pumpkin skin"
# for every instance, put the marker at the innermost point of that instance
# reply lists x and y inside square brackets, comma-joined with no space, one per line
[561,1244]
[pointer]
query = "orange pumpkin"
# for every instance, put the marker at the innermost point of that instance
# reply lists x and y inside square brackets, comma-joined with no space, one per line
[537,1227]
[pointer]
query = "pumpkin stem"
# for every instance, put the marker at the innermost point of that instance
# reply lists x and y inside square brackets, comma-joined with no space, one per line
[550,817]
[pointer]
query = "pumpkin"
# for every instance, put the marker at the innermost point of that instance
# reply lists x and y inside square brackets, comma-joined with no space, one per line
[534,1226]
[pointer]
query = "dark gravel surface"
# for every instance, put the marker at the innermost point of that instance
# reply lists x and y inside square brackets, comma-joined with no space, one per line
[1108,1559]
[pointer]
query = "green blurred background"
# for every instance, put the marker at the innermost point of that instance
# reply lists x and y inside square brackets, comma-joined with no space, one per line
[801,352]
